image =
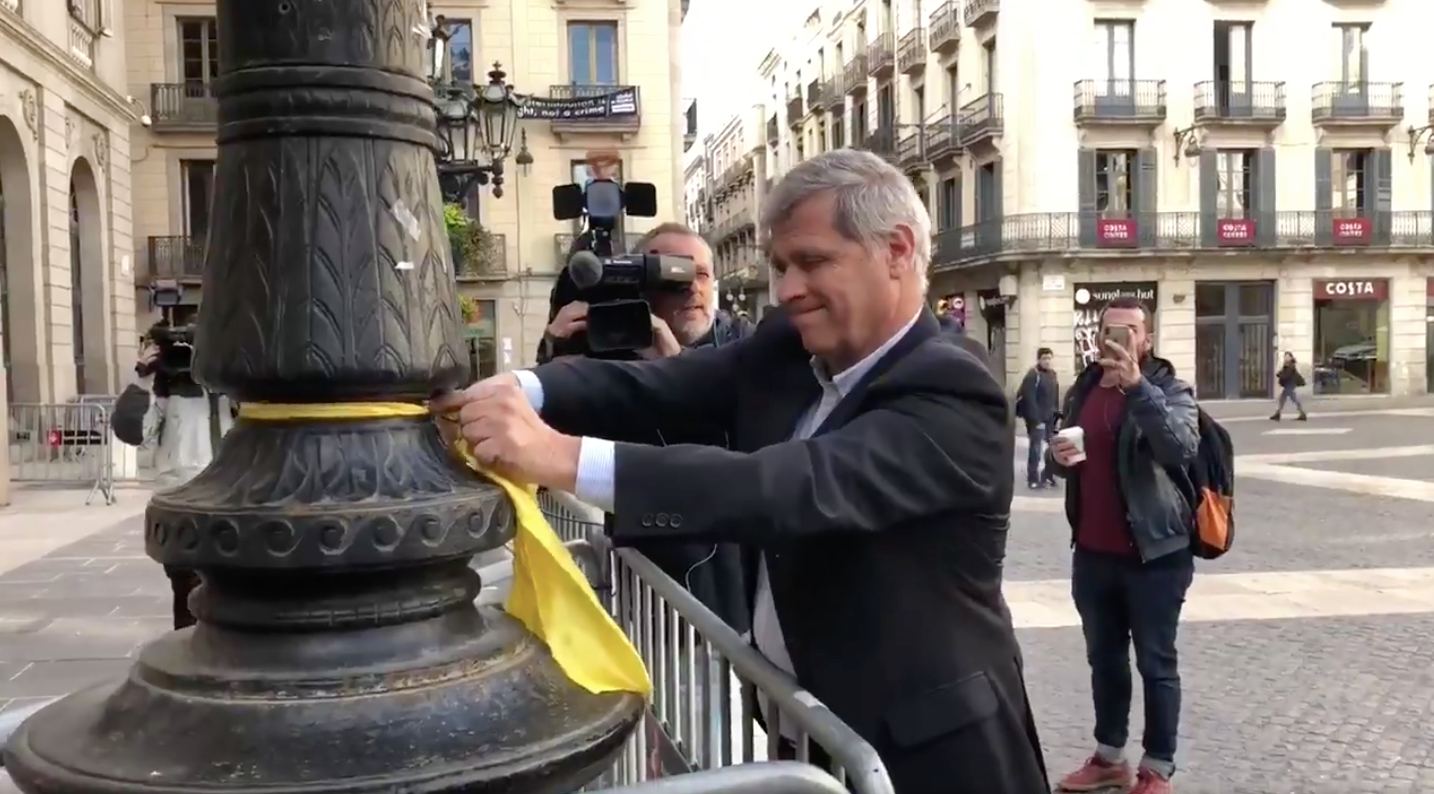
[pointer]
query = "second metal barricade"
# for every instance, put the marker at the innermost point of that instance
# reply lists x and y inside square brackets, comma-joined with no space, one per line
[707,680]
[62,444]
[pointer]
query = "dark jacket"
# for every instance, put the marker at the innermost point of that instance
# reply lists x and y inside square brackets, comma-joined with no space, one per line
[1158,440]
[1038,399]
[1289,377]
[884,534]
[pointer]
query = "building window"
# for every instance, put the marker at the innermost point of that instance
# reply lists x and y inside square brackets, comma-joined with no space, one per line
[592,53]
[821,135]
[77,309]
[460,50]
[482,342]
[948,209]
[1114,53]
[858,124]
[885,108]
[198,195]
[1353,55]
[953,89]
[89,13]
[1114,183]
[1236,174]
[988,60]
[1348,181]
[918,96]
[839,130]
[199,49]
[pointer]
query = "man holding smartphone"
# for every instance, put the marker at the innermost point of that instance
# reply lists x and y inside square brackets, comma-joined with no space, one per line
[1129,501]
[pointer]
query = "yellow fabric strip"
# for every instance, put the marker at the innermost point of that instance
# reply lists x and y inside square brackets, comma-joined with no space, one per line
[550,594]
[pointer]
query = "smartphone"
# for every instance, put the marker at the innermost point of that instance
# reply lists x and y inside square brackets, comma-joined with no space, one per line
[1119,334]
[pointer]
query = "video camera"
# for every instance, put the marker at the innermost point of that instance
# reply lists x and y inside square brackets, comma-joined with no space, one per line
[615,284]
[173,369]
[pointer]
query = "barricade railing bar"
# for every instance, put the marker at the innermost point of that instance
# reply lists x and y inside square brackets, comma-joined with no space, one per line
[699,720]
[63,444]
[772,777]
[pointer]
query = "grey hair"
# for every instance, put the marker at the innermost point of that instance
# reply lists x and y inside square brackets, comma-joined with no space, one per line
[670,227]
[872,196]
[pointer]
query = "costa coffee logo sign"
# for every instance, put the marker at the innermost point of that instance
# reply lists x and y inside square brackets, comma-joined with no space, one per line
[1369,289]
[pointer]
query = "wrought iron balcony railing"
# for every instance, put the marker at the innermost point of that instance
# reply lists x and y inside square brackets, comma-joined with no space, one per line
[942,138]
[979,12]
[1120,101]
[910,150]
[882,142]
[815,99]
[834,93]
[911,52]
[1248,101]
[563,243]
[489,263]
[774,130]
[981,118]
[881,55]
[186,105]
[1073,232]
[177,257]
[855,74]
[945,26]
[794,111]
[1335,102]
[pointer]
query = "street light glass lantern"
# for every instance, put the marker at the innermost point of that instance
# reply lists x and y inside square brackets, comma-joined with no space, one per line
[497,110]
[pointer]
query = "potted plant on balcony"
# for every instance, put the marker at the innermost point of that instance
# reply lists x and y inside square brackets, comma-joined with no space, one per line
[475,249]
[472,311]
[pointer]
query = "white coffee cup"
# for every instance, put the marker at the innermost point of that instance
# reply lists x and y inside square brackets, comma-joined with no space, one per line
[1076,436]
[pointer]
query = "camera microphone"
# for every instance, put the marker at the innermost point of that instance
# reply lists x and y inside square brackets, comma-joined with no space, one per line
[585,269]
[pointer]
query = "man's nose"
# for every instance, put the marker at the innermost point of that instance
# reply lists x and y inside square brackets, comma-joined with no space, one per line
[790,285]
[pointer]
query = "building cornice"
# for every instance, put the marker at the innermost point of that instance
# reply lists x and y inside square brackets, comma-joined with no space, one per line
[769,64]
[13,28]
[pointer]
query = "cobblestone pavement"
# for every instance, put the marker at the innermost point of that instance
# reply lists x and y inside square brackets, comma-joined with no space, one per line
[1306,705]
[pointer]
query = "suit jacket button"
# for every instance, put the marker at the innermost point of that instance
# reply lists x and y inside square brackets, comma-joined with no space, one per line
[647,520]
[675,521]
[662,519]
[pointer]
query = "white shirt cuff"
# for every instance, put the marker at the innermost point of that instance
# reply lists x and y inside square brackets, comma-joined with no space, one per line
[597,473]
[532,388]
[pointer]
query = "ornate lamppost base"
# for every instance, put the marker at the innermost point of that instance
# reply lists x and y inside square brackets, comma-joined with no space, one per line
[373,673]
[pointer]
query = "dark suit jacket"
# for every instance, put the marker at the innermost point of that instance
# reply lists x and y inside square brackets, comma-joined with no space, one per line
[884,533]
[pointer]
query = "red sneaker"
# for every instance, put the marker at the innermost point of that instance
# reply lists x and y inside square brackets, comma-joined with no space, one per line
[1148,781]
[1097,774]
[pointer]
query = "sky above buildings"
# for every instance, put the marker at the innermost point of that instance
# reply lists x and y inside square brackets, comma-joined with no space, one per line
[722,43]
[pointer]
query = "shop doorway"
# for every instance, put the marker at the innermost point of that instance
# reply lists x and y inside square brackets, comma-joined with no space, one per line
[1351,337]
[993,311]
[1234,340]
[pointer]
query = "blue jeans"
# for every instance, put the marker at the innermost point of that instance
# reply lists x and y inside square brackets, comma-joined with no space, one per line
[1123,600]
[1040,437]
[1288,393]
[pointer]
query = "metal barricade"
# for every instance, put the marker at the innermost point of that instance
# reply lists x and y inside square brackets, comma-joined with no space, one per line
[776,777]
[707,680]
[62,444]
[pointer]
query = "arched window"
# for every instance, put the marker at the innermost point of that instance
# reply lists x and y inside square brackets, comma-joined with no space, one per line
[77,307]
[5,338]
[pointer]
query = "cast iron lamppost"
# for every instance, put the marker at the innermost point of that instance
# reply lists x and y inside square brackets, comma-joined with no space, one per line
[1415,134]
[475,123]
[338,647]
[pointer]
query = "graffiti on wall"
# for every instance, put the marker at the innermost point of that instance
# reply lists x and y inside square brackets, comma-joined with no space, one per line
[1090,301]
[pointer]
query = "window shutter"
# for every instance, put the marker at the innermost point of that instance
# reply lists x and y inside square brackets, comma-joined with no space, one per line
[1147,187]
[1381,177]
[1267,217]
[958,209]
[1085,185]
[1209,198]
[1324,198]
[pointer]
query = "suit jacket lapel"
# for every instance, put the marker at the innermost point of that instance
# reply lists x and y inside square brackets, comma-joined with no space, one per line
[925,327]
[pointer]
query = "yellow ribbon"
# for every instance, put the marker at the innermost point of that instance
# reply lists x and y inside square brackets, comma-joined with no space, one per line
[550,595]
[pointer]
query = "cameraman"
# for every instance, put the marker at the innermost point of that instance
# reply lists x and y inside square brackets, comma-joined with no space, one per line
[687,319]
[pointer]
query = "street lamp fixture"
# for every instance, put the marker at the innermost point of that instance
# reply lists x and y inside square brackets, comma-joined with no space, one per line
[1187,144]
[1425,133]
[476,124]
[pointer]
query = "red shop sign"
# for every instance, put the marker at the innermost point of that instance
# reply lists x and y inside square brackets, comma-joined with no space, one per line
[1370,289]
[1351,231]
[1116,232]
[1235,231]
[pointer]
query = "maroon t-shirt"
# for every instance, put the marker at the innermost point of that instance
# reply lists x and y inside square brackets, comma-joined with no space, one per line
[1103,526]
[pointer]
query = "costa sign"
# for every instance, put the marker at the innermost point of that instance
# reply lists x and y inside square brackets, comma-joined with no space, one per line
[1367,289]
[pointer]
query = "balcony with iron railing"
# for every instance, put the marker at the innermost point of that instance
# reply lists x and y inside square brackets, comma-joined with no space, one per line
[980,12]
[943,140]
[621,243]
[1357,104]
[774,130]
[981,119]
[910,150]
[175,258]
[855,74]
[794,111]
[816,99]
[487,261]
[1248,102]
[834,93]
[86,22]
[881,56]
[945,26]
[612,108]
[1143,233]
[911,52]
[882,142]
[1123,102]
[183,106]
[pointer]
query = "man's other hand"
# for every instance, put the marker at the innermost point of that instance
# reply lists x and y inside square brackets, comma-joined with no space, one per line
[149,355]
[664,342]
[569,320]
[506,435]
[1063,451]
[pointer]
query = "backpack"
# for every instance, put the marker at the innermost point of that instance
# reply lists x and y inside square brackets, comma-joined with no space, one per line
[127,421]
[1213,475]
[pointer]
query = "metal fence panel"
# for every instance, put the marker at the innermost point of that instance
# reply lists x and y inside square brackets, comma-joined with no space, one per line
[62,444]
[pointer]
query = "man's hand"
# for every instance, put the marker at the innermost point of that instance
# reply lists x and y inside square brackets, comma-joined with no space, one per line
[1122,363]
[1063,451]
[149,355]
[569,320]
[664,342]
[506,434]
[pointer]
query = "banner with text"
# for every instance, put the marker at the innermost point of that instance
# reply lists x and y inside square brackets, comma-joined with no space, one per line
[613,104]
[1091,300]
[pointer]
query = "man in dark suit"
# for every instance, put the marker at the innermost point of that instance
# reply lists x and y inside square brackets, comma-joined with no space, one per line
[870,474]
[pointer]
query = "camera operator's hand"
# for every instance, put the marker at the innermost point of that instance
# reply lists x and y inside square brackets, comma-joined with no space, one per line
[664,342]
[148,358]
[569,320]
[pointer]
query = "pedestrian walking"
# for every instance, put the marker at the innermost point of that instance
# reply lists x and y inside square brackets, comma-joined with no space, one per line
[1131,508]
[1037,403]
[1289,379]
